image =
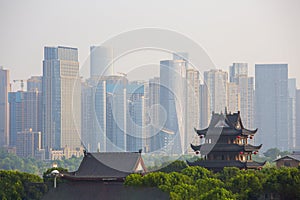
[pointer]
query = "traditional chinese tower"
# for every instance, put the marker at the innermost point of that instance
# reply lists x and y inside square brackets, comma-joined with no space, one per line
[225,144]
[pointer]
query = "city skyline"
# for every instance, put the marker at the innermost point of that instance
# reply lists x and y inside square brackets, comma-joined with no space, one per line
[267,30]
[115,111]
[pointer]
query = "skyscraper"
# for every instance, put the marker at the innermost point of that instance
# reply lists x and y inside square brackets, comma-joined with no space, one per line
[25,113]
[29,144]
[204,106]
[136,122]
[61,98]
[297,143]
[292,113]
[245,85]
[233,96]
[192,105]
[116,112]
[216,81]
[236,70]
[153,138]
[90,132]
[101,61]
[173,101]
[35,83]
[271,93]
[4,109]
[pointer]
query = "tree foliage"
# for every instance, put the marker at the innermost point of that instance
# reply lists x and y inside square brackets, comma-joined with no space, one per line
[230,183]
[9,161]
[20,185]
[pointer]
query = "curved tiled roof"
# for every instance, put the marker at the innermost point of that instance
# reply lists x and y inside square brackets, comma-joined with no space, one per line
[206,148]
[109,165]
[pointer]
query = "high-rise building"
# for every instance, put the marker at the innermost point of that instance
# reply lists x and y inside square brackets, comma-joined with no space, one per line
[101,61]
[61,98]
[136,122]
[35,83]
[245,85]
[116,112]
[90,131]
[233,97]
[236,70]
[204,106]
[153,138]
[292,113]
[271,93]
[192,105]
[4,108]
[216,81]
[29,144]
[297,120]
[173,101]
[25,113]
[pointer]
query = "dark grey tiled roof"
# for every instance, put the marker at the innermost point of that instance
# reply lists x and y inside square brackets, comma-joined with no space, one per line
[220,147]
[108,165]
[212,164]
[293,156]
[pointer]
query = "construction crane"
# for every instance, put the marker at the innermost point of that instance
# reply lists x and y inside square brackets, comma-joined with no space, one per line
[22,83]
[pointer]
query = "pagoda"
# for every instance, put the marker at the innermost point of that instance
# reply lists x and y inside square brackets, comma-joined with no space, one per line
[225,144]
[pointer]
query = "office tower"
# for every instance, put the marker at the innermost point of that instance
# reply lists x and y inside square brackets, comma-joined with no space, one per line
[192,106]
[35,83]
[101,61]
[154,135]
[173,101]
[233,97]
[29,144]
[292,113]
[297,120]
[216,81]
[90,131]
[100,107]
[204,106]
[61,98]
[239,75]
[136,122]
[25,113]
[4,108]
[236,70]
[116,112]
[271,93]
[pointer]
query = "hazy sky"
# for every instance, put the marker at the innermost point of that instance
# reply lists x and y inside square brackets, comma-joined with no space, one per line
[253,31]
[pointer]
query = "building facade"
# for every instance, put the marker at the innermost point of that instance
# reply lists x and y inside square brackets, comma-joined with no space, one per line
[216,81]
[35,83]
[173,101]
[4,107]
[61,99]
[271,93]
[292,113]
[245,88]
[29,144]
[25,113]
[192,106]
[297,143]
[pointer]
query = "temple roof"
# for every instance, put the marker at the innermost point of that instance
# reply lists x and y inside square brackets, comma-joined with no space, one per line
[220,164]
[109,165]
[226,124]
[219,147]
